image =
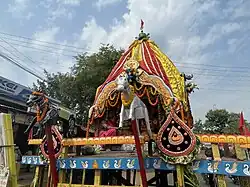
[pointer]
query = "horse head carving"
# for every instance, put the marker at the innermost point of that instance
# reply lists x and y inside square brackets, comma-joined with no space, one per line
[122,83]
[36,99]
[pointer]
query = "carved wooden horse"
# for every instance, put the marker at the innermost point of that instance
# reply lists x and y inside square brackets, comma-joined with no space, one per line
[47,116]
[132,106]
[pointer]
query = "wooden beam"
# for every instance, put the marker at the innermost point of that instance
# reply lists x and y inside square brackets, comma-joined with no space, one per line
[93,141]
[205,138]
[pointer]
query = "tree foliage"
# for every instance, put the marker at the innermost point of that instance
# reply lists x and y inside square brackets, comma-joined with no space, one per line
[219,121]
[78,87]
[198,127]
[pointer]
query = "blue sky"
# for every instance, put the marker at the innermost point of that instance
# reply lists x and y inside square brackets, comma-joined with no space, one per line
[207,38]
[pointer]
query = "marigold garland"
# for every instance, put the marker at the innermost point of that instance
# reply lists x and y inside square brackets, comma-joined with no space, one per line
[151,103]
[143,93]
[136,88]
[151,89]
[149,99]
[115,94]
[115,103]
[102,114]
[91,119]
[125,102]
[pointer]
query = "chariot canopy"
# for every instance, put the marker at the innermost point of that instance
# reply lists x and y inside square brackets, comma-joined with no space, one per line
[155,69]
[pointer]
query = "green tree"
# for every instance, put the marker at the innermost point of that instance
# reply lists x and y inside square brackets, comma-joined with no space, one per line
[198,127]
[219,121]
[58,86]
[216,121]
[78,87]
[233,124]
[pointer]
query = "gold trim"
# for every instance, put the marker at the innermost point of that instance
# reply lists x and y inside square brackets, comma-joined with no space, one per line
[234,139]
[35,141]
[245,146]
[93,141]
[205,138]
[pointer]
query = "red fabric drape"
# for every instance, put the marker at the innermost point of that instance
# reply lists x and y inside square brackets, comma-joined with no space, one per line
[242,126]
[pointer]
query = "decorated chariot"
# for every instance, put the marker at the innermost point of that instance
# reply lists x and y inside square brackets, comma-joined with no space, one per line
[143,136]
[150,96]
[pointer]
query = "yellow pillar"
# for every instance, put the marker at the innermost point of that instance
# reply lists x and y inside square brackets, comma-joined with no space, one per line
[216,154]
[180,175]
[241,155]
[10,149]
[62,172]
[97,179]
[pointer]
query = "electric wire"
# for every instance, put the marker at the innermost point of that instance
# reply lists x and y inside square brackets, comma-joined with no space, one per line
[20,66]
[27,57]
[31,42]
[43,50]
[84,49]
[34,71]
[52,43]
[208,70]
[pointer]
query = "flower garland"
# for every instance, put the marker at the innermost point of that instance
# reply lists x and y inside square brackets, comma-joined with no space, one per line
[149,100]
[152,90]
[102,114]
[136,88]
[143,93]
[113,95]
[91,120]
[126,102]
[112,102]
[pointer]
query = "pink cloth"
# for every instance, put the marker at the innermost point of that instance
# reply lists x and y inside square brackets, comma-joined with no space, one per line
[109,132]
[111,123]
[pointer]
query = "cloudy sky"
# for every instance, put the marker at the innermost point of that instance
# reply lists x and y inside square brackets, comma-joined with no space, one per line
[209,38]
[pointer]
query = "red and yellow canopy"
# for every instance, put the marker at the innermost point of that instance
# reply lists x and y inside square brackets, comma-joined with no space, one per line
[153,61]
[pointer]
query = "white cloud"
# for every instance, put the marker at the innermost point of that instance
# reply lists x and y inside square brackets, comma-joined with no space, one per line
[57,13]
[238,9]
[69,2]
[46,4]
[47,35]
[54,62]
[29,15]
[104,3]
[187,31]
[220,30]
[37,55]
[61,10]
[236,44]
[175,18]
[87,32]
[18,8]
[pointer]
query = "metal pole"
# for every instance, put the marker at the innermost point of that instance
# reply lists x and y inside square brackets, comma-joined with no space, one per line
[139,154]
[51,152]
